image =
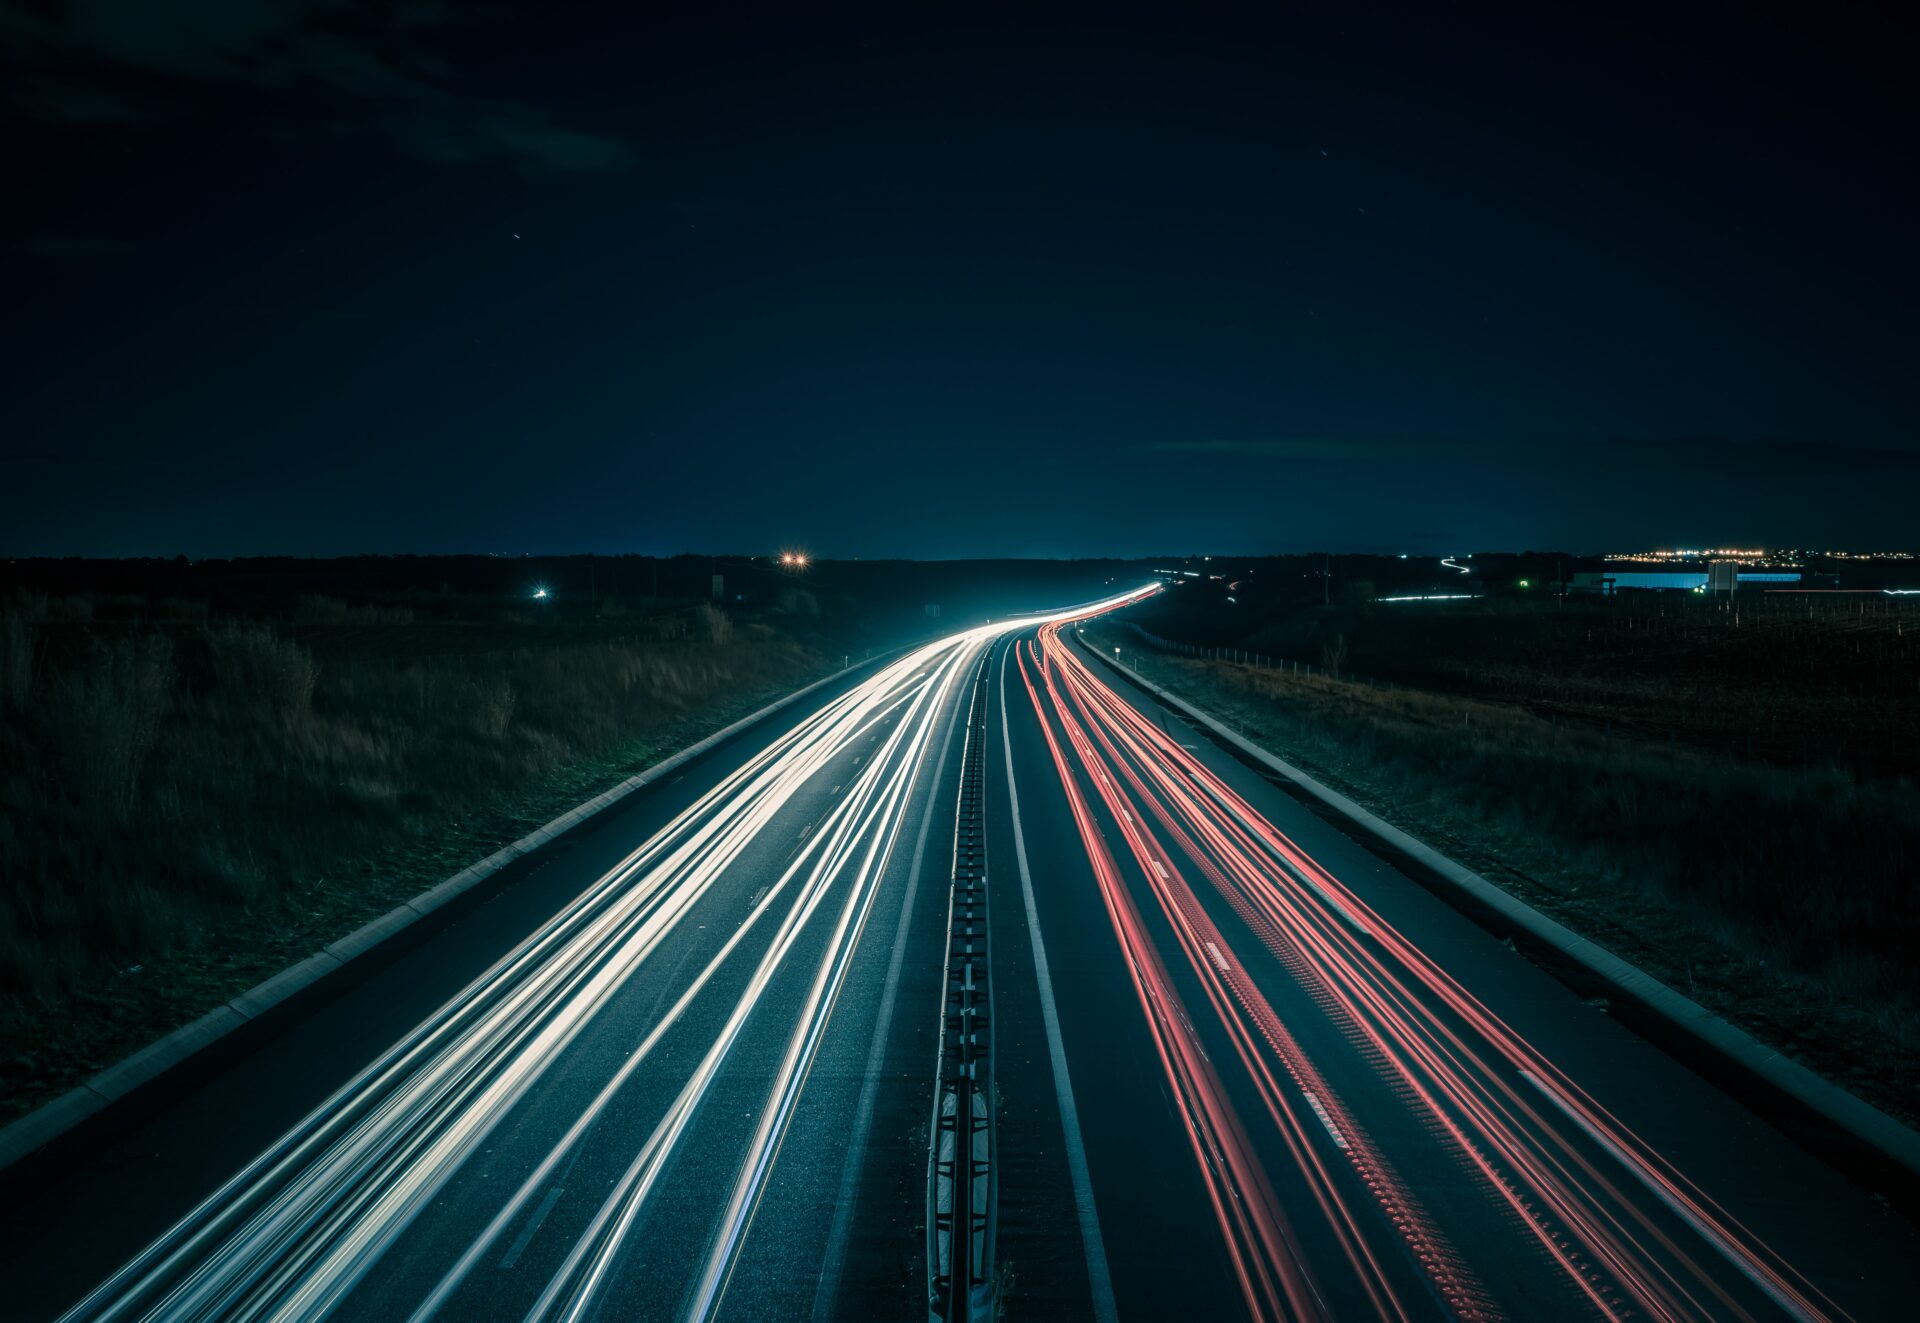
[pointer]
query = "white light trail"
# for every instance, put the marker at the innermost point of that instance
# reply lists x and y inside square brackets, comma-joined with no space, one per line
[290,1235]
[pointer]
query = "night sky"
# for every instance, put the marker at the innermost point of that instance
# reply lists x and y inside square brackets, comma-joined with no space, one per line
[311,277]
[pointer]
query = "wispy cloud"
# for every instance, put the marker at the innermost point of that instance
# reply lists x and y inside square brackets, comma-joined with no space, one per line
[1290,447]
[1671,454]
[357,65]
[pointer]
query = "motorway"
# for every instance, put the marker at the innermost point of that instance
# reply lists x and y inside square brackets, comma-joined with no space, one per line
[683,1069]
[1289,1083]
[715,1009]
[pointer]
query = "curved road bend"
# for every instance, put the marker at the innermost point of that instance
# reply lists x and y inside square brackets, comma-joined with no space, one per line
[1299,1086]
[684,1062]
[682,1069]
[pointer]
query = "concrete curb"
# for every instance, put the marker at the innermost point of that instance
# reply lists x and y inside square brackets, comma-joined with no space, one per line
[1864,1123]
[37,1129]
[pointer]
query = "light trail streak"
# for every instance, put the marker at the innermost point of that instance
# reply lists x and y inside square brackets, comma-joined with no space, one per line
[1456,1063]
[1273,1280]
[292,1233]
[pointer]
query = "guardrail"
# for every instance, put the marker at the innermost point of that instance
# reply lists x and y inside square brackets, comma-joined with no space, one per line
[1285,665]
[1867,1144]
[960,1160]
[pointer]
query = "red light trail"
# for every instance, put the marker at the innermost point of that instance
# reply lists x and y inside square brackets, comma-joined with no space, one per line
[1571,1178]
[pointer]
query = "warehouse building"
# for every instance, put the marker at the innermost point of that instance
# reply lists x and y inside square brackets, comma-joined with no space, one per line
[1724,577]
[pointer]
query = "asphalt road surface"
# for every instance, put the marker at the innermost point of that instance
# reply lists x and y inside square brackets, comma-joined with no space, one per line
[1288,1082]
[683,1068]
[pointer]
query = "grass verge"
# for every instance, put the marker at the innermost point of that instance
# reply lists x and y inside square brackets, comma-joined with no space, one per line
[193,809]
[1784,900]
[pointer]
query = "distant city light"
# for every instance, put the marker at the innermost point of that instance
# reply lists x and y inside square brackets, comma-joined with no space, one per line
[1526,583]
[1431,597]
[539,594]
[1743,555]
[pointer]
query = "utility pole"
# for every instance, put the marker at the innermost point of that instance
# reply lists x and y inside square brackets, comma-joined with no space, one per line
[1326,579]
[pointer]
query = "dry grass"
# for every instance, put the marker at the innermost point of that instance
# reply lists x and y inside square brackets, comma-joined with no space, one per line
[161,780]
[1803,681]
[1800,885]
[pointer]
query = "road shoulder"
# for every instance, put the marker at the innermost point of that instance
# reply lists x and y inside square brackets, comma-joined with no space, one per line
[1870,1145]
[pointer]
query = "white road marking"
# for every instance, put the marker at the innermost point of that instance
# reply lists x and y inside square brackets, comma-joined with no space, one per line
[305,1221]
[833,1260]
[1313,1101]
[525,1238]
[1104,1308]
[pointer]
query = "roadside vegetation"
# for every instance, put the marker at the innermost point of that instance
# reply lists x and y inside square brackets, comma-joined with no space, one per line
[1781,887]
[192,798]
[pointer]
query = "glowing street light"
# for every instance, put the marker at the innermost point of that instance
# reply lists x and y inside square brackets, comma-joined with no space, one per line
[540,594]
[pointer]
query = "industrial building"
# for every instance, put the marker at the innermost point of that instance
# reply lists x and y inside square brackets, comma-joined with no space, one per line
[1723,576]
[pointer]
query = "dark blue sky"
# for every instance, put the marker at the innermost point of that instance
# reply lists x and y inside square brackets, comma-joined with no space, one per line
[1269,278]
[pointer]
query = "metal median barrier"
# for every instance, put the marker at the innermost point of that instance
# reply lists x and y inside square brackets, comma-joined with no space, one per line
[960,1161]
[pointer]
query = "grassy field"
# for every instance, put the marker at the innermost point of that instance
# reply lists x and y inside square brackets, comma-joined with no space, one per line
[1784,893]
[190,801]
[1791,680]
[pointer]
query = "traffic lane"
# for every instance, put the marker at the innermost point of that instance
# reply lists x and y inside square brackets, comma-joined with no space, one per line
[1300,1221]
[1333,1171]
[722,1062]
[1161,1238]
[59,1241]
[840,1231]
[1037,1216]
[1841,1237]
[523,1258]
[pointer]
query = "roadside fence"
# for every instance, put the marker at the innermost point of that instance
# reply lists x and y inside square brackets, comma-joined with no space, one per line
[1240,656]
